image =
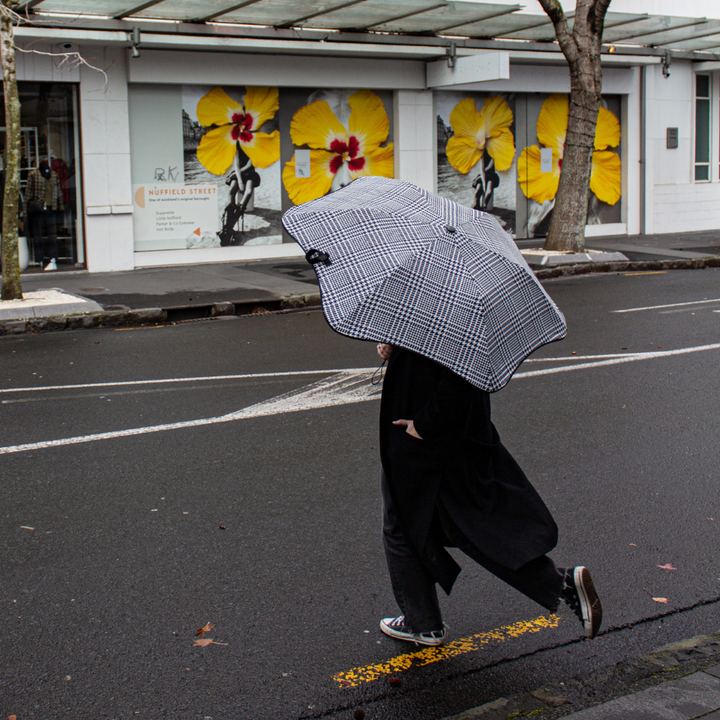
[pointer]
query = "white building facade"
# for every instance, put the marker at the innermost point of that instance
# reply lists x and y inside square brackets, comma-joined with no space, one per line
[185,141]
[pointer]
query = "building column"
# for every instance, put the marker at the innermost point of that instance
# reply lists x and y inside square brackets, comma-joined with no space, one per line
[415,128]
[107,188]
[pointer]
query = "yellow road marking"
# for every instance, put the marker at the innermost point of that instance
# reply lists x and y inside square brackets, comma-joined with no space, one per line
[426,656]
[140,327]
[647,272]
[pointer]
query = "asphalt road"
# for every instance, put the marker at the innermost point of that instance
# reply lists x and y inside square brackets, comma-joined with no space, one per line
[118,545]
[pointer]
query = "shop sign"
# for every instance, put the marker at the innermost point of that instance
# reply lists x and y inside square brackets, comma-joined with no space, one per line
[175,215]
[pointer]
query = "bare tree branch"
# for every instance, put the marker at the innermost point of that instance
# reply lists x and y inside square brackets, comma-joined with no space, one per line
[565,39]
[10,13]
[70,61]
[601,8]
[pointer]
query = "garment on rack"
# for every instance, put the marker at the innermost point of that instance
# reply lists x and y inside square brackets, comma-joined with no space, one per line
[43,191]
[60,167]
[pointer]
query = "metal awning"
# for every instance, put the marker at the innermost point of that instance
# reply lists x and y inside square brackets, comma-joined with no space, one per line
[460,18]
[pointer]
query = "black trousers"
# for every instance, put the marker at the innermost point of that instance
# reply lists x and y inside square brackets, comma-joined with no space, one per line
[414,588]
[42,223]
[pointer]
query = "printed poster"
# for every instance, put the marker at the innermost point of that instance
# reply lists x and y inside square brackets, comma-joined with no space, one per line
[170,216]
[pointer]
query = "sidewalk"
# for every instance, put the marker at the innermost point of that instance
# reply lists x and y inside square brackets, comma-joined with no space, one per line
[676,682]
[172,294]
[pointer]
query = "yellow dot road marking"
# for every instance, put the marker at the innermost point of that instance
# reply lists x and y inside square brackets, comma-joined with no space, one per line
[426,656]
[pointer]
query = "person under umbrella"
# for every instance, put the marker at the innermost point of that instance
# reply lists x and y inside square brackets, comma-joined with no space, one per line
[455,310]
[447,481]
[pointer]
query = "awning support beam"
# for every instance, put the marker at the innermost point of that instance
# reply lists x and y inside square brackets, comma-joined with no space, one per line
[699,21]
[402,17]
[232,8]
[137,9]
[326,11]
[508,11]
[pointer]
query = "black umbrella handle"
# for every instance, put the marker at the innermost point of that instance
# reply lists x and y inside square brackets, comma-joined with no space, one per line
[314,256]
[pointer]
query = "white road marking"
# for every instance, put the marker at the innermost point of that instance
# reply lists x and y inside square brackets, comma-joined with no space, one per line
[347,386]
[617,361]
[160,381]
[582,357]
[662,307]
[253,376]
[339,388]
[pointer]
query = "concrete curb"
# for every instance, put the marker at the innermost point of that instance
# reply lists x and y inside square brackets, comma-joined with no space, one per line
[184,313]
[631,265]
[623,679]
[155,316]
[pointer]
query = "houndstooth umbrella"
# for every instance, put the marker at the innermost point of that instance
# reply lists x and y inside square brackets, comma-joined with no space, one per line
[399,265]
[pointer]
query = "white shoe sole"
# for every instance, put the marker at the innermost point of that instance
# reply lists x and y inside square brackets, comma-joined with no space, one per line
[590,605]
[417,638]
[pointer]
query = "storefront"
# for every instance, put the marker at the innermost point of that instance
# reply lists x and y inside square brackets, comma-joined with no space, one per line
[50,174]
[216,166]
[196,132]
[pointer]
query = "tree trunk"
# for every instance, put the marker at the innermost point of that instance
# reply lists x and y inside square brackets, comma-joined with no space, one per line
[581,49]
[569,216]
[11,285]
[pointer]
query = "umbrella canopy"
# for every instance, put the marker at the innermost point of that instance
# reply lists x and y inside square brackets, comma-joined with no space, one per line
[399,265]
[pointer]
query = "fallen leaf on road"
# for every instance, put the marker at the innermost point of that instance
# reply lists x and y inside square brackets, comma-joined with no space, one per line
[201,631]
[633,545]
[661,600]
[666,567]
[204,642]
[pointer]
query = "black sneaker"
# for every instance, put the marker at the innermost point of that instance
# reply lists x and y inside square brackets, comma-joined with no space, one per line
[579,593]
[396,628]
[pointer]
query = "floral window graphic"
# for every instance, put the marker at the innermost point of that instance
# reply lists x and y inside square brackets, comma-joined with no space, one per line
[237,127]
[482,135]
[606,173]
[236,145]
[345,134]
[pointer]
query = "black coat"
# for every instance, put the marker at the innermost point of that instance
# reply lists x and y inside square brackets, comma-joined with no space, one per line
[459,462]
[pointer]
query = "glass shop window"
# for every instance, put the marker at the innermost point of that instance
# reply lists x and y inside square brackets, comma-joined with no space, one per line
[702,127]
[51,219]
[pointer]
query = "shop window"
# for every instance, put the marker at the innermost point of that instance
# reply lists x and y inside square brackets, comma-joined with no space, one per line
[501,153]
[702,127]
[49,175]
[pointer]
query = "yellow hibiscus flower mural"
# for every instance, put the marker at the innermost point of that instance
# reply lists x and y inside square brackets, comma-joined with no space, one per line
[477,132]
[606,175]
[339,154]
[238,125]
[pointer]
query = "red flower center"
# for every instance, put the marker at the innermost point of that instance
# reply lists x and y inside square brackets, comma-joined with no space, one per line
[346,152]
[242,125]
